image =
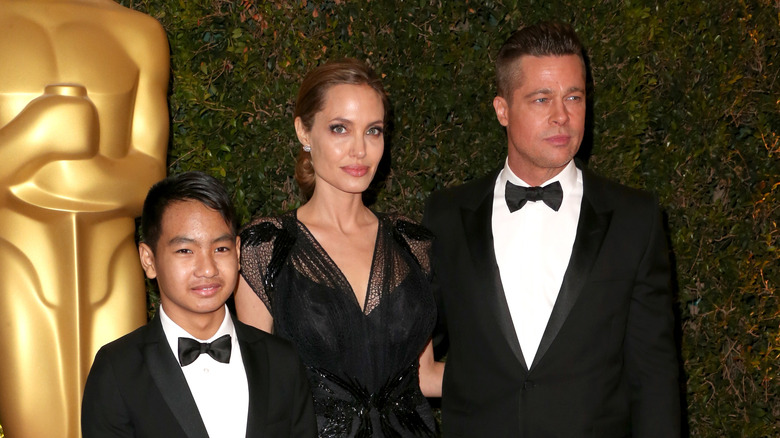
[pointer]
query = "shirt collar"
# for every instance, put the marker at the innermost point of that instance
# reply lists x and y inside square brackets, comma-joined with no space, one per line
[567,177]
[173,331]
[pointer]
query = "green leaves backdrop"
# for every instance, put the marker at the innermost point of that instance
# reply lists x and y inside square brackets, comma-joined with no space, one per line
[686,105]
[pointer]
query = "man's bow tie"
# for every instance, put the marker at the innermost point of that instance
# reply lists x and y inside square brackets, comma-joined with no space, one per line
[517,196]
[190,349]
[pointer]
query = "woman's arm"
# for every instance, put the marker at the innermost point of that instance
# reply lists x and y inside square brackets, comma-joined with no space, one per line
[251,309]
[431,373]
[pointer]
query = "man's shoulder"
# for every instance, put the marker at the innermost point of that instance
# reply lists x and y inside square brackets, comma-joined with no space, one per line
[126,342]
[122,354]
[467,191]
[602,190]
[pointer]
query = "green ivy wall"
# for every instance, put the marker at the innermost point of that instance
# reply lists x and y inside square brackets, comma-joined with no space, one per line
[686,105]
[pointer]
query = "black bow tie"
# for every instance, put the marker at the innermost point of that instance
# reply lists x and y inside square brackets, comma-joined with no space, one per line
[190,349]
[517,196]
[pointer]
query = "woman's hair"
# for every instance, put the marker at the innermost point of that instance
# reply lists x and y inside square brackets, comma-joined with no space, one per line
[311,100]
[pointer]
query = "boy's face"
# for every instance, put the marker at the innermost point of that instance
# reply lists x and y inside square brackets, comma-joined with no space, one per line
[195,262]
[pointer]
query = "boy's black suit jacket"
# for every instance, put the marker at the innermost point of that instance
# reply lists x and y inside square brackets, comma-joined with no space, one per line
[136,389]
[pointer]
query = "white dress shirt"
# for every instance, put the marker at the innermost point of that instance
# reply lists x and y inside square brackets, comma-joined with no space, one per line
[533,246]
[220,389]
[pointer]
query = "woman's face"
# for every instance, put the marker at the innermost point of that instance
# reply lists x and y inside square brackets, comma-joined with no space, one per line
[346,138]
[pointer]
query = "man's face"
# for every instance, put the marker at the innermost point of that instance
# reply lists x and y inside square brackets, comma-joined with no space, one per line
[545,115]
[195,262]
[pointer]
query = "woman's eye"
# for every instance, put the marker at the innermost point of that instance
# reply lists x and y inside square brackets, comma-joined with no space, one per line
[338,129]
[376,130]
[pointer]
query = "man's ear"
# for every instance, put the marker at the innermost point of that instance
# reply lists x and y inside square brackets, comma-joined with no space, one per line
[147,260]
[502,110]
[300,130]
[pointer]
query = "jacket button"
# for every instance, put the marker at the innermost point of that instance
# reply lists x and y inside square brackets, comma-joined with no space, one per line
[528,384]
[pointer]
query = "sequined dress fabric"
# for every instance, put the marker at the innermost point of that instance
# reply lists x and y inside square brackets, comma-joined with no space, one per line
[361,362]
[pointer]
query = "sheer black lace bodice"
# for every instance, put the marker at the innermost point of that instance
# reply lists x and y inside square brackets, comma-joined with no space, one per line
[362,362]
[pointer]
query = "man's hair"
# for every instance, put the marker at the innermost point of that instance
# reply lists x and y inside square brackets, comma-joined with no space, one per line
[541,39]
[186,186]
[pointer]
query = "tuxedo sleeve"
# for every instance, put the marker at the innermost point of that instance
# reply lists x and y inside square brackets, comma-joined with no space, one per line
[103,411]
[650,350]
[440,337]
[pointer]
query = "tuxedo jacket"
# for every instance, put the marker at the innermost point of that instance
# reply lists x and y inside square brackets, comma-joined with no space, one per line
[607,363]
[136,388]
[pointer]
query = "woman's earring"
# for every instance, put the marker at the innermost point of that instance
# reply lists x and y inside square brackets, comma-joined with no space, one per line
[306,148]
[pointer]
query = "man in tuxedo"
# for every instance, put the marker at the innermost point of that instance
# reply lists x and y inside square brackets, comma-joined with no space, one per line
[194,371]
[553,283]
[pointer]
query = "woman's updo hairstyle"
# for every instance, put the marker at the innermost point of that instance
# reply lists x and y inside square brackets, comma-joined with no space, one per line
[311,100]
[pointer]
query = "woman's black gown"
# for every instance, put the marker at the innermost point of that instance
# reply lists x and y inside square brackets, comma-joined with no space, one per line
[362,363]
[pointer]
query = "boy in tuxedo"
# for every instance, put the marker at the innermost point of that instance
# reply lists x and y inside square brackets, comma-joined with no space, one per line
[194,370]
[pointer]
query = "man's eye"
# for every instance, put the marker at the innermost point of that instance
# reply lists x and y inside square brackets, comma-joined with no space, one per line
[183,251]
[223,249]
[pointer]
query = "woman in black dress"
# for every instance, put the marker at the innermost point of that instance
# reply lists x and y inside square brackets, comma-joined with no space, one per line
[350,287]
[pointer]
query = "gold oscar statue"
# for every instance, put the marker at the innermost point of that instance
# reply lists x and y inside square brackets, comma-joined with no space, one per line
[83,135]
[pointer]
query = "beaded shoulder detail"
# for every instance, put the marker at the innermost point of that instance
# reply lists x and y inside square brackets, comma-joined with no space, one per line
[265,245]
[415,239]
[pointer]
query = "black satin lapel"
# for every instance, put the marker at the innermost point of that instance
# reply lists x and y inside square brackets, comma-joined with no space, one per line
[167,375]
[479,237]
[255,358]
[591,230]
